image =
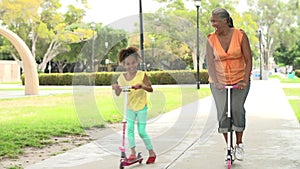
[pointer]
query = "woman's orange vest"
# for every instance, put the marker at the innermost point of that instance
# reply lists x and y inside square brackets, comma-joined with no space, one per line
[230,65]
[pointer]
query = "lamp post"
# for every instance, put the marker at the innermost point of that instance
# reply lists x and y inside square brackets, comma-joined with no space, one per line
[93,26]
[106,55]
[142,36]
[260,55]
[49,67]
[153,41]
[197,4]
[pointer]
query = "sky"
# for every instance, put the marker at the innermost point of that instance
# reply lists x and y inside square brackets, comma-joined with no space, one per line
[108,12]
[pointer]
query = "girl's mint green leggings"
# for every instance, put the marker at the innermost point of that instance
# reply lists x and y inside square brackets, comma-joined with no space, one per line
[141,117]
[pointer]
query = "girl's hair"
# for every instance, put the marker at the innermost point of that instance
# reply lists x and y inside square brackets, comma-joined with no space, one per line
[130,51]
[223,13]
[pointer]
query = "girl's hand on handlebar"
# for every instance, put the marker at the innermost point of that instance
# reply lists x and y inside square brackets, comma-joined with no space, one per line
[138,86]
[116,87]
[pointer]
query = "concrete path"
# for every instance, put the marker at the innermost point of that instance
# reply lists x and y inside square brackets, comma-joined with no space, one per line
[187,138]
[17,90]
[271,138]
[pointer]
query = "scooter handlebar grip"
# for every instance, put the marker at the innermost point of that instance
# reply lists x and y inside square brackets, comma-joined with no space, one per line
[232,87]
[126,87]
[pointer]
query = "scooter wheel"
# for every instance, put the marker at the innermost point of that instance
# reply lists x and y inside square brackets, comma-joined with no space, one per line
[229,164]
[121,166]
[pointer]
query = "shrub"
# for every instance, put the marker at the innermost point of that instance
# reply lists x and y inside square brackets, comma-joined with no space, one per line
[297,73]
[107,78]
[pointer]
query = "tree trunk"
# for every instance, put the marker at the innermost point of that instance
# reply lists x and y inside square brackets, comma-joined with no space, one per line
[51,53]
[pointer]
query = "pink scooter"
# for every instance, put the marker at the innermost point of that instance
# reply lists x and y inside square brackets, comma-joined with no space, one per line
[124,160]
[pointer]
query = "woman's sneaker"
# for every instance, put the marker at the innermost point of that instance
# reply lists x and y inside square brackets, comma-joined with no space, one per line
[239,152]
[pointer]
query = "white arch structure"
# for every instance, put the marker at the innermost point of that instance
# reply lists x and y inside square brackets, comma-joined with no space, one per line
[29,65]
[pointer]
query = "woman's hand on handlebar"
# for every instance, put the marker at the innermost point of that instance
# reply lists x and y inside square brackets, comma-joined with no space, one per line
[219,86]
[241,85]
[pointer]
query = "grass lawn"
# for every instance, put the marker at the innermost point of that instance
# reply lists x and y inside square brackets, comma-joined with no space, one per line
[294,103]
[285,79]
[291,92]
[32,121]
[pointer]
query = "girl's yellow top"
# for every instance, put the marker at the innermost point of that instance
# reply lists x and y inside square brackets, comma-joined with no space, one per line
[137,99]
[230,65]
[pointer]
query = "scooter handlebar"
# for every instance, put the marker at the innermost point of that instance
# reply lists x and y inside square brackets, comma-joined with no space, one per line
[126,87]
[231,87]
[131,87]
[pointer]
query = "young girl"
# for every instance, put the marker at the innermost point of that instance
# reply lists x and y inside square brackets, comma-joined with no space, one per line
[137,101]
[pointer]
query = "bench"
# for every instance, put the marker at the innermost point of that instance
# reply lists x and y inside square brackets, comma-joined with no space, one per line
[291,75]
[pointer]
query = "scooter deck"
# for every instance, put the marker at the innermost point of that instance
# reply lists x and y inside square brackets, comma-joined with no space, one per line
[126,162]
[130,162]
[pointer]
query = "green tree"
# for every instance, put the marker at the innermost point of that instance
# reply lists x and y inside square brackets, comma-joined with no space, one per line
[57,30]
[281,55]
[17,16]
[288,56]
[294,53]
[174,27]
[115,40]
[78,34]
[41,26]
[277,21]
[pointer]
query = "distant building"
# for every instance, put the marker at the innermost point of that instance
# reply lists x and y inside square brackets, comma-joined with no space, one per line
[9,71]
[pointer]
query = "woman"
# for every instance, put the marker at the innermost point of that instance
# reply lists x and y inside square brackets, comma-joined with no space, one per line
[229,63]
